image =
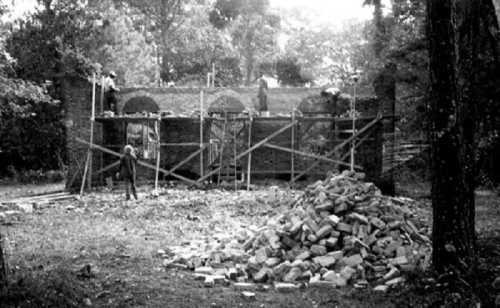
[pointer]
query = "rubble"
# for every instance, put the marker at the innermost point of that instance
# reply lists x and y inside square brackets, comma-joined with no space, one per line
[248,295]
[340,231]
[496,283]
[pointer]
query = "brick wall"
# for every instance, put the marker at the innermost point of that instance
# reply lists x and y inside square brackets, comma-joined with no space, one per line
[187,100]
[78,95]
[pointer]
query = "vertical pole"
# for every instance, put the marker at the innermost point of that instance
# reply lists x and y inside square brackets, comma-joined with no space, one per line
[158,152]
[92,120]
[208,80]
[88,161]
[235,161]
[201,133]
[337,141]
[142,137]
[353,114]
[249,162]
[292,161]
[147,136]
[102,94]
[223,143]
[85,173]
[213,75]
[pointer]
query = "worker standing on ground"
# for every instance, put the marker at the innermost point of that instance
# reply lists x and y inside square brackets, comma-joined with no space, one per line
[127,171]
[110,91]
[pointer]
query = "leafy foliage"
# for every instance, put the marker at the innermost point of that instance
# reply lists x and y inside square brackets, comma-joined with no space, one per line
[200,46]
[228,72]
[253,30]
[289,72]
[46,48]
[49,41]
[122,47]
[161,18]
[329,56]
[30,127]
[226,11]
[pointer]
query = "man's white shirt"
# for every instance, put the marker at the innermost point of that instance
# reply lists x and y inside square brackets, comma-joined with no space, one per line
[109,83]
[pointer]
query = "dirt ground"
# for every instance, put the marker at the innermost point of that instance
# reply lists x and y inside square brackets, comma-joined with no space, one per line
[118,241]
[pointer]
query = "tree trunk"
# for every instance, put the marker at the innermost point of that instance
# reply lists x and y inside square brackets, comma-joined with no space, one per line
[384,86]
[378,43]
[3,265]
[249,66]
[453,32]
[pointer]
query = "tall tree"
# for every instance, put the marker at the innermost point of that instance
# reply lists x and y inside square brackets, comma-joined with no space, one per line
[252,27]
[331,56]
[50,43]
[164,18]
[453,32]
[199,47]
[121,46]
[379,28]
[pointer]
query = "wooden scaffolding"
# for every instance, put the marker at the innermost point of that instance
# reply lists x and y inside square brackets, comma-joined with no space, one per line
[232,148]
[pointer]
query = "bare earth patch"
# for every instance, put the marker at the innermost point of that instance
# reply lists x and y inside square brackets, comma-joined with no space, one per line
[48,250]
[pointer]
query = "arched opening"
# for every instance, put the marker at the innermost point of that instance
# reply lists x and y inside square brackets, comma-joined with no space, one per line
[226,104]
[140,104]
[142,135]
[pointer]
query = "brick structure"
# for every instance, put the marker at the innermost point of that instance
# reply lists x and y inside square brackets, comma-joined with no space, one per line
[185,102]
[77,98]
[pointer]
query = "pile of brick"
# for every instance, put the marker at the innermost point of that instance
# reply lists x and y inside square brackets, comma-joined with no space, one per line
[341,231]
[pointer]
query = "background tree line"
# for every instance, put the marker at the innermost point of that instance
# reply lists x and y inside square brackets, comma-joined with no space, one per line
[178,41]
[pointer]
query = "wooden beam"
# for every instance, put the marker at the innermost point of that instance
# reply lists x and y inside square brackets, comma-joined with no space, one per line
[235,162]
[102,95]
[82,186]
[222,146]
[92,121]
[73,178]
[310,155]
[305,131]
[249,159]
[181,144]
[158,153]
[341,145]
[201,133]
[252,148]
[182,163]
[292,154]
[108,167]
[144,164]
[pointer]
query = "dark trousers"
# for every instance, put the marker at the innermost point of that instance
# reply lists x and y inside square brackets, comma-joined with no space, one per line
[130,185]
[111,101]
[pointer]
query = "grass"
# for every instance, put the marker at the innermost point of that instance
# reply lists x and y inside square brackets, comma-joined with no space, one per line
[47,250]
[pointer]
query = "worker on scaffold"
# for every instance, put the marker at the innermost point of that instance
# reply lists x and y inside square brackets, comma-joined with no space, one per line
[110,91]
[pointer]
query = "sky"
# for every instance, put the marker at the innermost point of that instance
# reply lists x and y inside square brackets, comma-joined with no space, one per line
[333,12]
[19,7]
[324,11]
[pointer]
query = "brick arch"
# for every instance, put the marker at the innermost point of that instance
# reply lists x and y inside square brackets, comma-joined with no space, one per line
[226,101]
[138,104]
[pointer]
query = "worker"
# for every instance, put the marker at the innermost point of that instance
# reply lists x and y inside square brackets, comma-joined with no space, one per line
[263,96]
[127,171]
[331,96]
[110,91]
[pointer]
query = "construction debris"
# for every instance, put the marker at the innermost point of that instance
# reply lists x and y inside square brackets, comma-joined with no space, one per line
[13,210]
[340,231]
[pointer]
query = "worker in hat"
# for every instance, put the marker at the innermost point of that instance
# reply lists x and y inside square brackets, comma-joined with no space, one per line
[127,170]
[110,91]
